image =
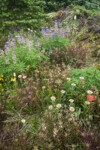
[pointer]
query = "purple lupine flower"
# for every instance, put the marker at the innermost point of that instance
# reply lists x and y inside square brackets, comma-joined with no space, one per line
[54,34]
[43,30]
[61,32]
[46,29]
[21,39]
[60,25]
[46,35]
[8,42]
[36,38]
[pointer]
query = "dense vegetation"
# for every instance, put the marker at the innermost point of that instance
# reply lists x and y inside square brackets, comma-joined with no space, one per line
[30,13]
[50,75]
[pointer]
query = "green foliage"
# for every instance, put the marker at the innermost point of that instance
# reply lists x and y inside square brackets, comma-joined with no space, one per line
[56,4]
[56,42]
[57,96]
[22,14]
[18,59]
[72,54]
[83,10]
[92,76]
[47,105]
[82,80]
[93,4]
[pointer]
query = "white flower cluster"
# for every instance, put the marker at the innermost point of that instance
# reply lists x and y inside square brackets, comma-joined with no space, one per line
[22,76]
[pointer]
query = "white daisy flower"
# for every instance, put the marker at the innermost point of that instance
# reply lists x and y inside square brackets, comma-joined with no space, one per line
[23,121]
[71,100]
[14,74]
[89,92]
[71,108]
[58,106]
[87,102]
[73,84]
[20,76]
[63,91]
[53,98]
[81,78]
[50,107]
[68,79]
[24,77]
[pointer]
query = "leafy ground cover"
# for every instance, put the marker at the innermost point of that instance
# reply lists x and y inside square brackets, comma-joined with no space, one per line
[50,87]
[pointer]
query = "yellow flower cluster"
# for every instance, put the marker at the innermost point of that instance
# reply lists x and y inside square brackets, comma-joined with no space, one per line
[98,46]
[1,79]
[13,79]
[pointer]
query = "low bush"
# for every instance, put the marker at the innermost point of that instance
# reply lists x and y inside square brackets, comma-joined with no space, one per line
[76,55]
[57,42]
[18,59]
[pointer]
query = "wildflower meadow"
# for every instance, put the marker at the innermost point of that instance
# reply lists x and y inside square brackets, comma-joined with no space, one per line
[50,81]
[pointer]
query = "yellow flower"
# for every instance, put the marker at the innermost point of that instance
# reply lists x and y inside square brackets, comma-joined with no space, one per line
[13,79]
[53,98]
[98,46]
[1,79]
[2,90]
[71,108]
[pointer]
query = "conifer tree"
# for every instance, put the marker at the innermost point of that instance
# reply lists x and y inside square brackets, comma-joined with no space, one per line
[21,12]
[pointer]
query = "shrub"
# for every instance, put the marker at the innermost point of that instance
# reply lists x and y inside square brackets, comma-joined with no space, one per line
[33,92]
[57,42]
[57,131]
[74,55]
[53,129]
[18,59]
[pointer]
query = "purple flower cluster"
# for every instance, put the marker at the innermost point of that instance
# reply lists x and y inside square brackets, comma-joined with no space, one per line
[52,32]
[10,44]
[47,32]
